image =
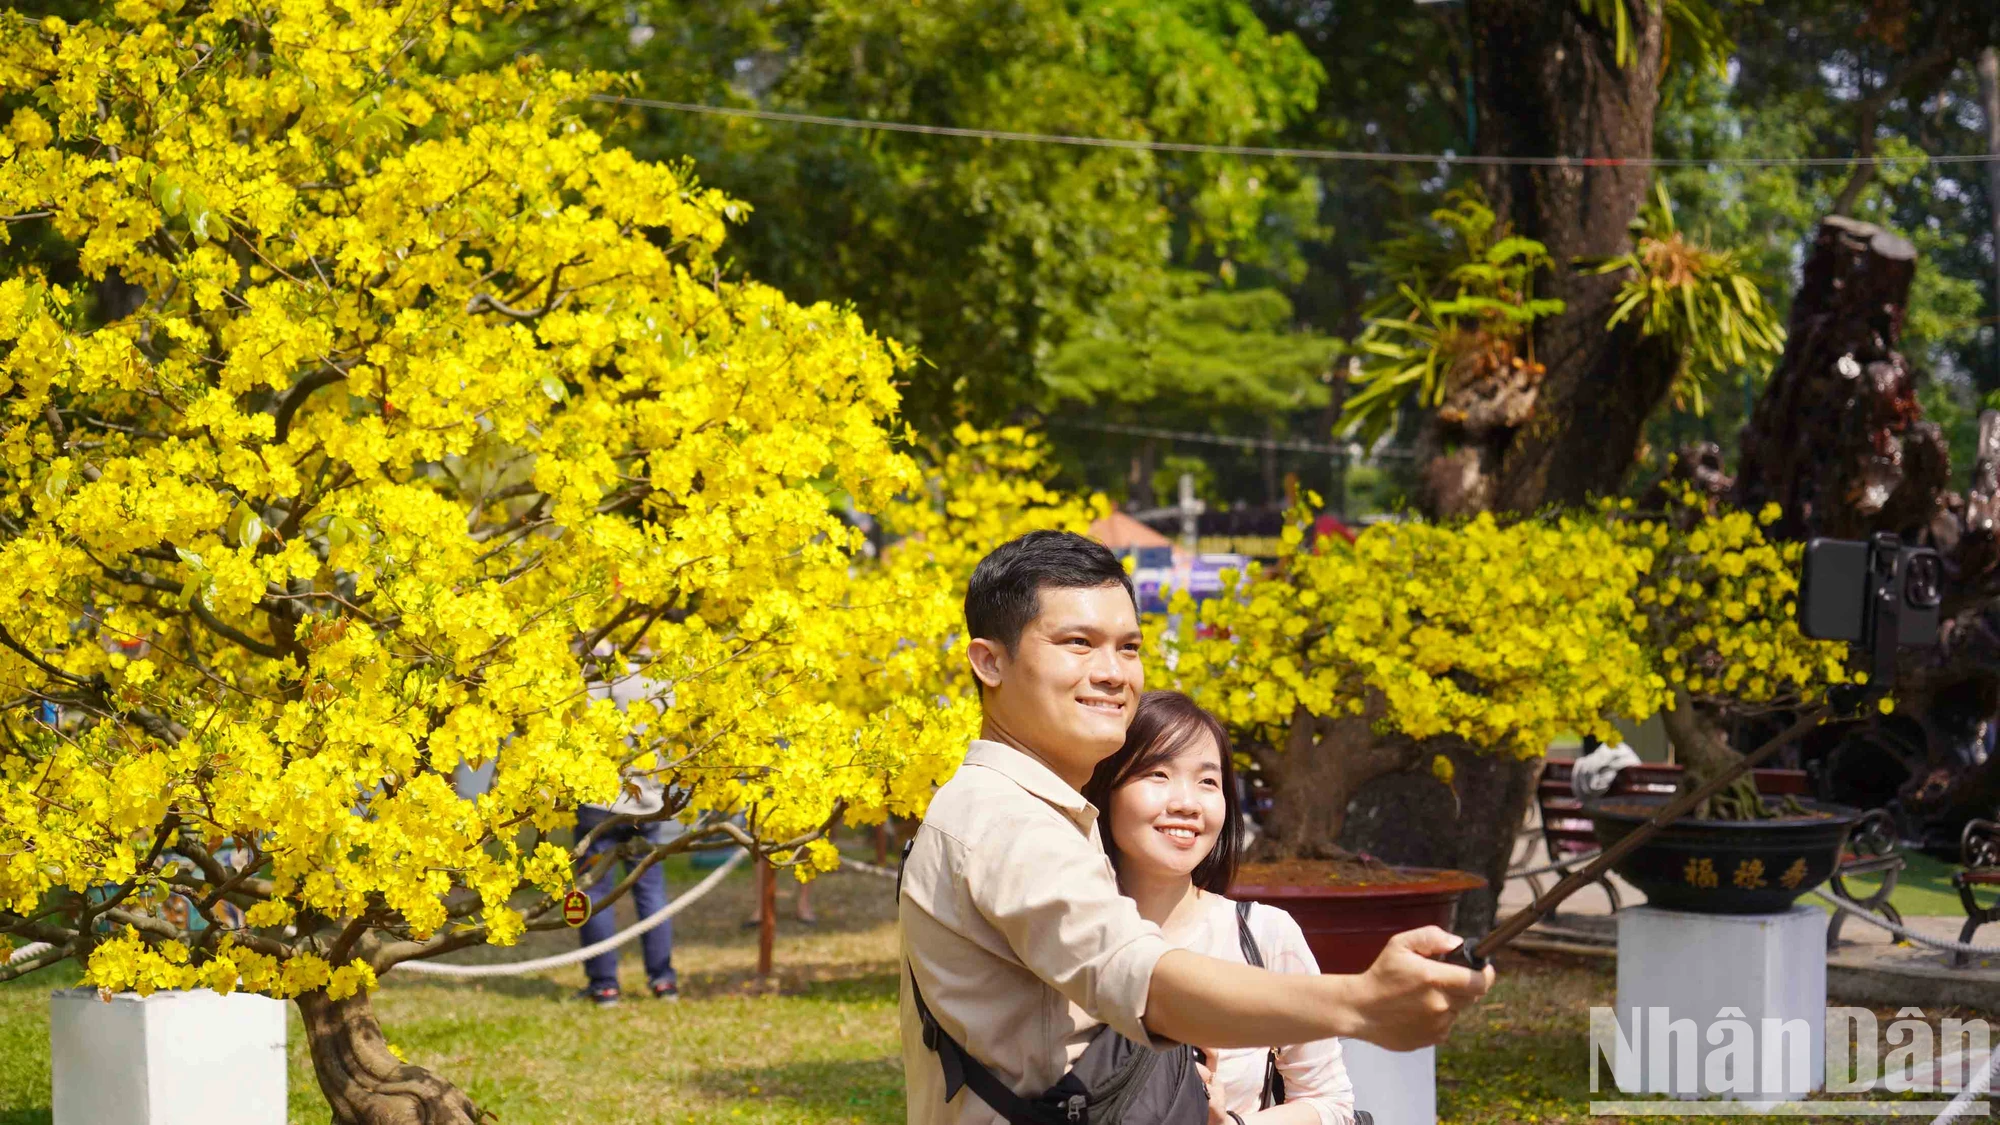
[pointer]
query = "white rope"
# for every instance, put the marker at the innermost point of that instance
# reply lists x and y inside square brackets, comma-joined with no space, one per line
[557,961]
[1904,932]
[540,964]
[31,950]
[1974,1090]
[867,868]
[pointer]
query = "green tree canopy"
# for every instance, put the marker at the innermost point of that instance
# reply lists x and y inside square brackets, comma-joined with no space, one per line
[982,255]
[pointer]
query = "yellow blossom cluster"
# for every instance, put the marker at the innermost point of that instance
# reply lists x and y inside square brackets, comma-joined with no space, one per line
[1504,634]
[1720,606]
[364,414]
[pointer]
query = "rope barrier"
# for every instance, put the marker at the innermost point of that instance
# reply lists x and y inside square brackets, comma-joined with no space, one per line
[29,951]
[1974,1090]
[1904,933]
[866,868]
[559,960]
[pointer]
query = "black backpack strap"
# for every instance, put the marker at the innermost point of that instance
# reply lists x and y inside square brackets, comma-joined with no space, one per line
[961,1070]
[1274,1082]
[1251,953]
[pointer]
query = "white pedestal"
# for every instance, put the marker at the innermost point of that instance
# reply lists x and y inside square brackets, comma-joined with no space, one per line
[172,1058]
[1727,1005]
[1397,1087]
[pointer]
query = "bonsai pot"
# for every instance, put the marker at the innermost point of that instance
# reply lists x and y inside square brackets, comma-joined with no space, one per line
[1725,866]
[1347,923]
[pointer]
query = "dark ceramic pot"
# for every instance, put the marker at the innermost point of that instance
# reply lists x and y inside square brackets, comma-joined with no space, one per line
[1347,925]
[1725,866]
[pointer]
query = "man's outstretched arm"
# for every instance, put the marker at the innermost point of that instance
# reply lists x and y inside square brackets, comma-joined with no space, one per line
[1404,1001]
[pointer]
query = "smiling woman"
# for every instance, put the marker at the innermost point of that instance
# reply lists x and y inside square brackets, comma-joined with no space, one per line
[1173,830]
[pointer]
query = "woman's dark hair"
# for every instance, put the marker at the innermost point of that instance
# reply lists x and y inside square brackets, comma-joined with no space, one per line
[1167,723]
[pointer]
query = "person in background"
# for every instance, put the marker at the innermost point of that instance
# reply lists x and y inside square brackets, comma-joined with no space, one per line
[1173,830]
[642,795]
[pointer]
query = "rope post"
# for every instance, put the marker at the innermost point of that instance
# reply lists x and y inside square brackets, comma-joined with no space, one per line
[767,915]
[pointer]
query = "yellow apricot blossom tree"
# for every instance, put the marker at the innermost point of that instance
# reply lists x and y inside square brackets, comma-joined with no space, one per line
[1349,662]
[361,411]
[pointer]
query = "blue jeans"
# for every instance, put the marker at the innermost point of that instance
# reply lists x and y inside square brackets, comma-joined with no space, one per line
[648,895]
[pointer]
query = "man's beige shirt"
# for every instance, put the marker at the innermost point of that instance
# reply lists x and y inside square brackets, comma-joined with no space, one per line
[1014,927]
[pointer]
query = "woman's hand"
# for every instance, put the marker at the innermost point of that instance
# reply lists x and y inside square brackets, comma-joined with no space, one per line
[1218,1114]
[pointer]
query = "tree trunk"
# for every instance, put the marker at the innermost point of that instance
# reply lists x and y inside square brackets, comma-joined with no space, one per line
[363,1082]
[1837,439]
[1470,825]
[1989,98]
[1325,762]
[1549,84]
[1704,752]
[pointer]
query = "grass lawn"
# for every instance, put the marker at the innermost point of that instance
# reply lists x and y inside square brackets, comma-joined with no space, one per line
[823,1049]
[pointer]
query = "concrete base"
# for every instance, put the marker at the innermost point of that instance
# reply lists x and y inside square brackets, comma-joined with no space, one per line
[172,1058]
[1727,1006]
[1397,1087]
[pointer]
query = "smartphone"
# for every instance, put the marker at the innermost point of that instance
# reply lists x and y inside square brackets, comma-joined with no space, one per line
[1838,589]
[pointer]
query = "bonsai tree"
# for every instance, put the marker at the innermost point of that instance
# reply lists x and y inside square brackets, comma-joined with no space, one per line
[1351,662]
[1718,605]
[1348,663]
[363,412]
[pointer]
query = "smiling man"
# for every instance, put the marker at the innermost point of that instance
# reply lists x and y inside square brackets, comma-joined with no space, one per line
[1014,933]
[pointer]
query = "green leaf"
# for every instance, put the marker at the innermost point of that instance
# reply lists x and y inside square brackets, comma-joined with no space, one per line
[167,194]
[251,531]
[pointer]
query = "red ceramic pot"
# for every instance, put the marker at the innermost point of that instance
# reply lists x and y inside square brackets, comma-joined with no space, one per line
[1347,925]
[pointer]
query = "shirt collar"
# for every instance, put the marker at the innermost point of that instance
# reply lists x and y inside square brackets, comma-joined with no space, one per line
[1030,775]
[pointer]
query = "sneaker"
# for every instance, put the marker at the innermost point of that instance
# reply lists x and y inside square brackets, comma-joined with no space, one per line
[666,990]
[602,997]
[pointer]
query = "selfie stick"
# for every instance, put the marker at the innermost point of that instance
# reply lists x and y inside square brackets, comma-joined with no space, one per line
[1475,957]
[1881,635]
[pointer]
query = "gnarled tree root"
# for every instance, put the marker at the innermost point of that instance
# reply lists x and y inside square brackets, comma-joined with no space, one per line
[366,1084]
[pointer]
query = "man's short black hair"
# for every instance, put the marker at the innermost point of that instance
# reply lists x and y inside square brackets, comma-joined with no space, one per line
[1005,591]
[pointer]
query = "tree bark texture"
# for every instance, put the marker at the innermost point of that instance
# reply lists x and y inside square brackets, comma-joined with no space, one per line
[364,1083]
[1989,99]
[1412,818]
[1323,765]
[1839,440]
[1549,84]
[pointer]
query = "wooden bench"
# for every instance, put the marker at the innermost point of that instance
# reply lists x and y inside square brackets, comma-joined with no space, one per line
[1570,838]
[1979,853]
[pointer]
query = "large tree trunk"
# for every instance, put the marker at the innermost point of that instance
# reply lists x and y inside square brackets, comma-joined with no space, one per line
[1549,84]
[363,1082]
[1324,764]
[1471,826]
[1838,440]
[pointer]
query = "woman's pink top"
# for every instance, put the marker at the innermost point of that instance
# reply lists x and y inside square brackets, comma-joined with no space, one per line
[1313,1072]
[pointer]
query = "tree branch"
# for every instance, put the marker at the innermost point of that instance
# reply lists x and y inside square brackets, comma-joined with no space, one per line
[300,392]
